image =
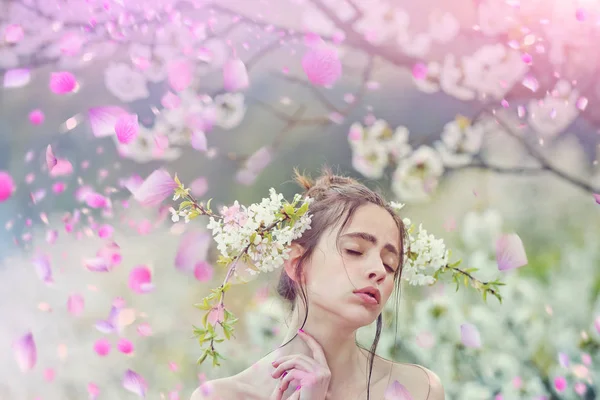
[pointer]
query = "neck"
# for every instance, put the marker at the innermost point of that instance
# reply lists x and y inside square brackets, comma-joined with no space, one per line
[344,358]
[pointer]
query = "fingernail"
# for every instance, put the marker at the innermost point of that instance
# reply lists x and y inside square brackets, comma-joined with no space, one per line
[284,374]
[298,387]
[301,330]
[273,363]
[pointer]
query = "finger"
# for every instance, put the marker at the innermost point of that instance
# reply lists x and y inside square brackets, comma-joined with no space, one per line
[314,346]
[295,395]
[293,375]
[297,363]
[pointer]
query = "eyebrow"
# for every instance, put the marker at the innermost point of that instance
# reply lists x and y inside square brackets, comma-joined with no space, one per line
[370,238]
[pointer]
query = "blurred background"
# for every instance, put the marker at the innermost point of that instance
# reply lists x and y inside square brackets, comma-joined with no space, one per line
[478,115]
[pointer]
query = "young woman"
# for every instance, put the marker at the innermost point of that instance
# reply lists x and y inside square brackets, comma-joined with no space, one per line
[338,277]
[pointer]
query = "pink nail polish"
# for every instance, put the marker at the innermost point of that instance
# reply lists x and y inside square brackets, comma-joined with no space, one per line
[301,330]
[298,387]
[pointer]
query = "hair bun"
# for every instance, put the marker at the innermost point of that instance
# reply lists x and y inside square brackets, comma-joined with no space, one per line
[324,182]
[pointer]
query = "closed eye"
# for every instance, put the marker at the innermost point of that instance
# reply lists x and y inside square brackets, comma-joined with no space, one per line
[358,253]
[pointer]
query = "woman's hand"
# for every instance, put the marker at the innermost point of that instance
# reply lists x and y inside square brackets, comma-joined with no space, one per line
[311,374]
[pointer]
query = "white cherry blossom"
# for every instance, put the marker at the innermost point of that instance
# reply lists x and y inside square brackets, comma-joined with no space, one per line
[553,114]
[125,83]
[417,176]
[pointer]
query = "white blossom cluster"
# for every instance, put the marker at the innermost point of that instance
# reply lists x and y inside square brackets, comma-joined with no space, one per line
[241,226]
[425,255]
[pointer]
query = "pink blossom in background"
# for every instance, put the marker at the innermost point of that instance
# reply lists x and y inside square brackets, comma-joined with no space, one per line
[36,117]
[25,352]
[322,65]
[7,186]
[235,75]
[62,82]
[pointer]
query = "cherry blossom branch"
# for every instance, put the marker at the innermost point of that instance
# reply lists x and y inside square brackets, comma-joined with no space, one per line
[545,164]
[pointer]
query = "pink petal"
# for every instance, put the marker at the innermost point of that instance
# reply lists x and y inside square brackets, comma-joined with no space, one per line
[199,187]
[103,119]
[127,128]
[419,71]
[245,177]
[16,78]
[597,198]
[170,101]
[93,391]
[97,264]
[96,200]
[144,329]
[425,340]
[235,75]
[155,189]
[560,384]
[125,346]
[13,33]
[199,141]
[102,347]
[43,268]
[322,65]
[7,186]
[510,252]
[62,82]
[193,248]
[36,117]
[63,167]
[597,324]
[25,352]
[51,160]
[180,74]
[105,231]
[134,383]
[75,304]
[259,160]
[470,335]
[203,271]
[140,280]
[105,327]
[59,187]
[70,43]
[49,374]
[397,391]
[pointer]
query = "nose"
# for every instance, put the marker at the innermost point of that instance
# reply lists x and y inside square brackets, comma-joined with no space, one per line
[376,270]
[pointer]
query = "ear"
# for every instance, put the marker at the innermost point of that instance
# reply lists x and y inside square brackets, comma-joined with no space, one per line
[291,263]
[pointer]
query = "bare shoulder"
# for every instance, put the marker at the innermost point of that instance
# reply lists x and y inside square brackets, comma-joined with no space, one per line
[218,389]
[430,386]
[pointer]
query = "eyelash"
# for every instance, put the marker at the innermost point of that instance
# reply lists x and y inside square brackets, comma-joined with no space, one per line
[358,253]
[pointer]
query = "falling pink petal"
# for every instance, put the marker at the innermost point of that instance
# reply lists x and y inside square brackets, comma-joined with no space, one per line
[527,59]
[25,352]
[397,391]
[155,189]
[110,254]
[125,346]
[170,101]
[59,187]
[311,39]
[93,391]
[161,142]
[203,271]
[245,177]
[51,236]
[102,347]
[419,71]
[425,340]
[62,82]
[49,374]
[193,248]
[82,192]
[563,360]
[580,14]
[43,268]
[127,128]
[36,117]
[13,33]
[97,264]
[134,383]
[105,327]
[70,43]
[62,168]
[199,141]
[140,280]
[597,198]
[322,65]
[103,119]
[586,359]
[217,314]
[7,186]
[560,384]
[96,200]
[75,304]
[580,388]
[16,78]
[199,187]
[51,160]
[510,252]
[105,231]
[259,160]
[144,329]
[235,75]
[597,324]
[469,335]
[180,74]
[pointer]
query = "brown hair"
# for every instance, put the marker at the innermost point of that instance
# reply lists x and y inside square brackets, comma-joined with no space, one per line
[335,198]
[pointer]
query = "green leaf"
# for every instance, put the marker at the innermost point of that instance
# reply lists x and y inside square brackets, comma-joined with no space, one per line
[208,205]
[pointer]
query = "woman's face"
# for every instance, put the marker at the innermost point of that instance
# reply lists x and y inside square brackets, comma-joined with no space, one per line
[368,255]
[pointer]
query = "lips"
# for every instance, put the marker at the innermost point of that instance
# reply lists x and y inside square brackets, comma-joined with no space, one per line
[370,291]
